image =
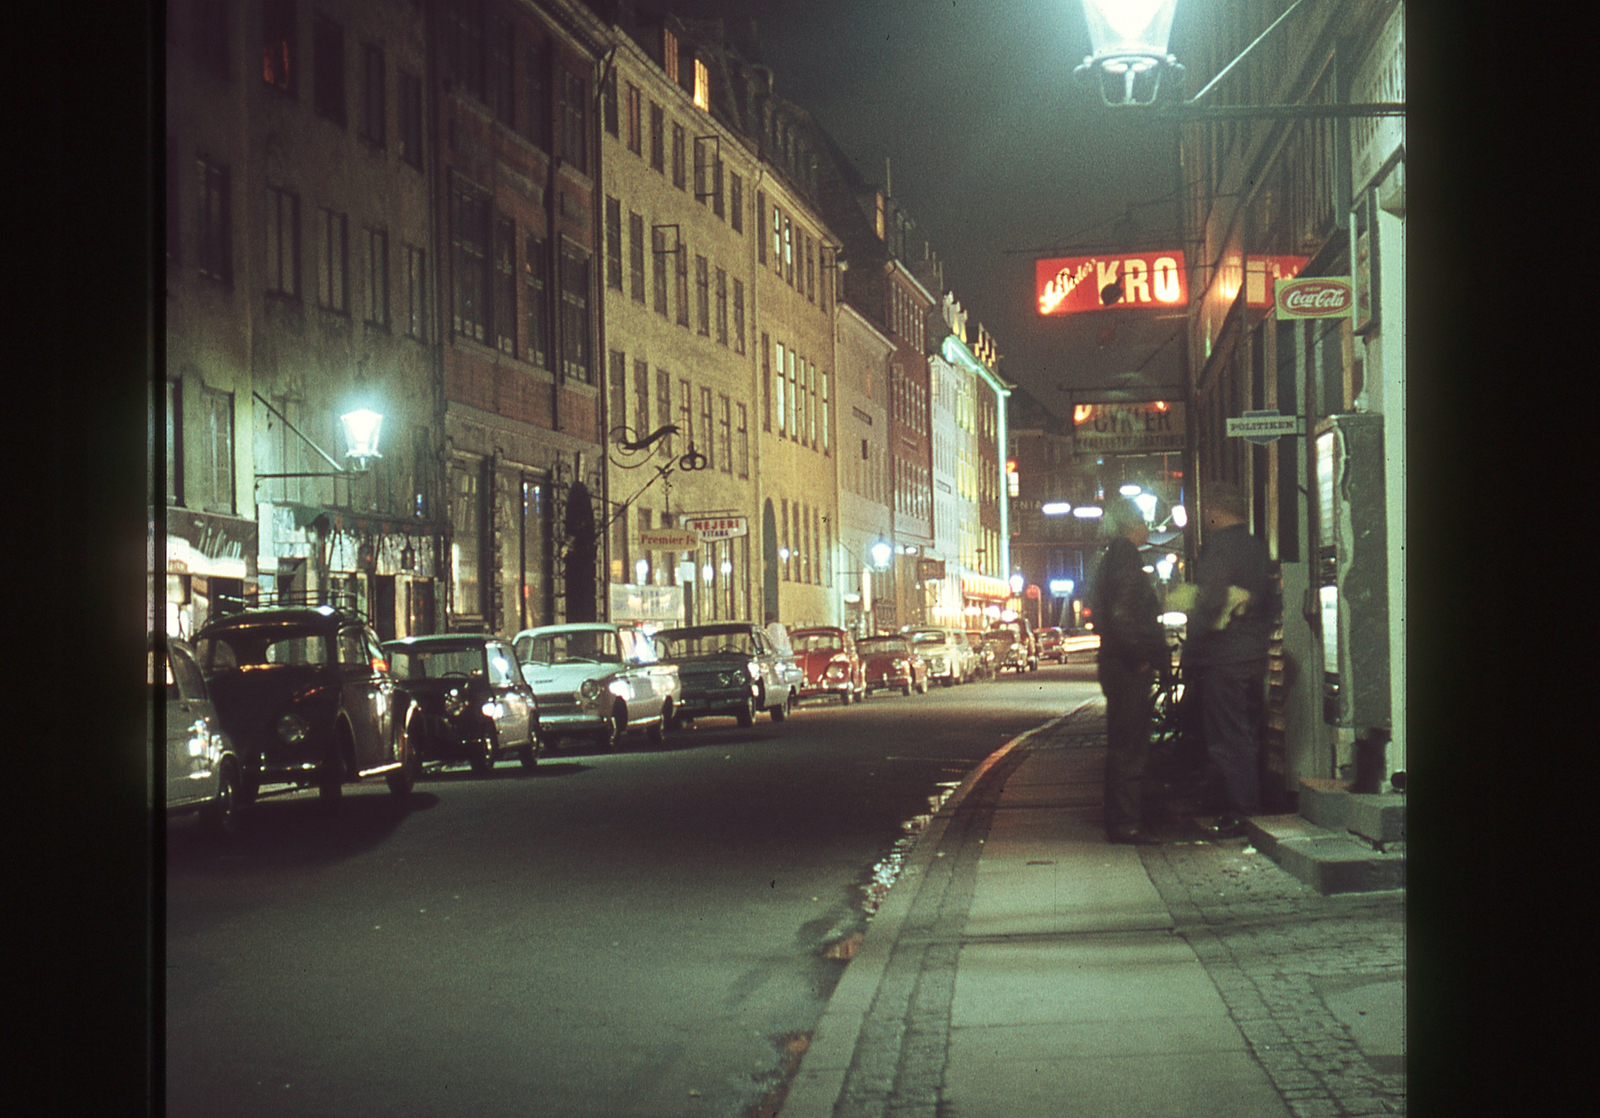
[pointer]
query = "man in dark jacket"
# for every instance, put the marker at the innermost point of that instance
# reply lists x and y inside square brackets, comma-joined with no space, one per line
[1225,656]
[1133,652]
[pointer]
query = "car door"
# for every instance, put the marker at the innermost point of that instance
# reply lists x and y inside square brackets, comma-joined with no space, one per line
[510,690]
[362,695]
[191,724]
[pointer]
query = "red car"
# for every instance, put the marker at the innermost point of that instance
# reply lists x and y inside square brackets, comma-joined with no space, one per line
[889,664]
[832,665]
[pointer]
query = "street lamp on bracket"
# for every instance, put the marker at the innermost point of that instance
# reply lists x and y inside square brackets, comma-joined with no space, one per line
[1130,55]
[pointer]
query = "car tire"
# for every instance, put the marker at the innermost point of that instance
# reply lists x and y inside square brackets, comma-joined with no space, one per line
[656,732]
[483,761]
[331,776]
[845,698]
[922,688]
[402,780]
[221,816]
[905,689]
[529,754]
[948,681]
[747,715]
[780,711]
[607,739]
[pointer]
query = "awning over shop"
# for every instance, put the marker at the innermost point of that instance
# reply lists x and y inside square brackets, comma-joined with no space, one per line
[208,543]
[984,586]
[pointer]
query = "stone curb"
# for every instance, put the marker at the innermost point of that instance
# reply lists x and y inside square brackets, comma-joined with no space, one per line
[820,1078]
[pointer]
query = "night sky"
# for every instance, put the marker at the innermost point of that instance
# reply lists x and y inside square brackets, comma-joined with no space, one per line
[996,151]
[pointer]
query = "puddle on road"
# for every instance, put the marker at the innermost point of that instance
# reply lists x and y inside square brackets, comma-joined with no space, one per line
[882,876]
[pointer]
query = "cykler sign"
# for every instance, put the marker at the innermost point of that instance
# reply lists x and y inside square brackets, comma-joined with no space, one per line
[1154,427]
[1264,427]
[1317,297]
[1074,284]
[717,527]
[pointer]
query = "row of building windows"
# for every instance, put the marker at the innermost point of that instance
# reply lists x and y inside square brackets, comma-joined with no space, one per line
[865,475]
[210,33]
[796,394]
[805,544]
[913,486]
[514,73]
[800,259]
[349,277]
[485,301]
[908,400]
[905,317]
[713,184]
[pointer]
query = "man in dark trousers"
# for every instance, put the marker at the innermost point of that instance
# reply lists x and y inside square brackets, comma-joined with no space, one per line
[1226,652]
[1133,652]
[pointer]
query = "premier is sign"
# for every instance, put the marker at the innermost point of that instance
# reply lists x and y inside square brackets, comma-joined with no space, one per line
[1123,281]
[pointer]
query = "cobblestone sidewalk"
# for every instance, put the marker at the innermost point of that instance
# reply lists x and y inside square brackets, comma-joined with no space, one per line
[1285,958]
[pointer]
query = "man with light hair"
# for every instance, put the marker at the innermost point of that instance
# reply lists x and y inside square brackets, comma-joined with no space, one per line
[1133,652]
[1225,657]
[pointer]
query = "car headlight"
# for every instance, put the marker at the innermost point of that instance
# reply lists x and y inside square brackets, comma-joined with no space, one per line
[292,729]
[492,709]
[754,668]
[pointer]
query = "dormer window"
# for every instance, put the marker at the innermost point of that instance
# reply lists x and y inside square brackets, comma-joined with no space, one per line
[669,53]
[702,85]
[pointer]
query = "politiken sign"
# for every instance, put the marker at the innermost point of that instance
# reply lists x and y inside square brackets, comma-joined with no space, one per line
[1316,297]
[1120,281]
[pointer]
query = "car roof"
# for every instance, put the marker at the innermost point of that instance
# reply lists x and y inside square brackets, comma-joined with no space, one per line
[274,616]
[572,627]
[441,640]
[717,627]
[818,629]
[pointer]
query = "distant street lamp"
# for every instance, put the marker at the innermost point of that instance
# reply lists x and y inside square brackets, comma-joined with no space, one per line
[881,553]
[361,429]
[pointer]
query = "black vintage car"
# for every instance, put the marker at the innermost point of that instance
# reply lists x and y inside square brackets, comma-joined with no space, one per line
[306,696]
[731,668]
[475,703]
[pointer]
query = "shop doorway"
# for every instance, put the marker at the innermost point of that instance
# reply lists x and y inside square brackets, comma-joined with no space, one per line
[419,607]
[383,606]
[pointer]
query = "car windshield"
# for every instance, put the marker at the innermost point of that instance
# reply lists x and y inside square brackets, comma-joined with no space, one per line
[878,645]
[817,642]
[998,638]
[927,638]
[584,646]
[262,645]
[436,663]
[683,644]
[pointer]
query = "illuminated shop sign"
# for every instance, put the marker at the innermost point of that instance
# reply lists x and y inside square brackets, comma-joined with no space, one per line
[1124,281]
[1318,297]
[1156,427]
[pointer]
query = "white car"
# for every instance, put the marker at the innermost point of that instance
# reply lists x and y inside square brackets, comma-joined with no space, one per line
[597,680]
[946,651]
[202,771]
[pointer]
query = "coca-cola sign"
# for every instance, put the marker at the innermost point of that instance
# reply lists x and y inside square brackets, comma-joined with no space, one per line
[1316,297]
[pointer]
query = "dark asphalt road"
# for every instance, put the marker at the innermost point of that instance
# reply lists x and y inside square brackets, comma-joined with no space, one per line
[638,934]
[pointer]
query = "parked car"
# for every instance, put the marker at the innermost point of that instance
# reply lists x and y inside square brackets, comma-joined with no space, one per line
[1008,648]
[1049,644]
[891,664]
[944,650]
[731,668]
[475,703]
[307,696]
[202,770]
[597,680]
[1023,634]
[831,663]
[983,655]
